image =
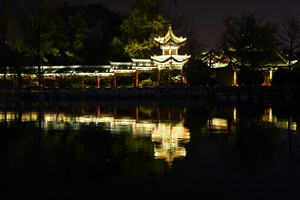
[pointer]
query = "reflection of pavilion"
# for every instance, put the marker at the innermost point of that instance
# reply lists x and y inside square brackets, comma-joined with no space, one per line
[168,139]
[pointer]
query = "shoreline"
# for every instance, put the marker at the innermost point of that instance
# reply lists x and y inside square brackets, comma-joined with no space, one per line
[224,93]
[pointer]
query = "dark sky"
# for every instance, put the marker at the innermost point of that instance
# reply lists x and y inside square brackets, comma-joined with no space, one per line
[207,15]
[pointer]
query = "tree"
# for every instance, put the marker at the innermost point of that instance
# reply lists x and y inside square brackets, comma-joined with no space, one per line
[68,35]
[102,26]
[72,27]
[84,34]
[249,41]
[7,12]
[197,72]
[35,29]
[289,34]
[16,61]
[143,23]
[252,38]
[281,77]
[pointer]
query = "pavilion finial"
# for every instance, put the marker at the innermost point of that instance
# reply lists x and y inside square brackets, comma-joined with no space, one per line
[170,25]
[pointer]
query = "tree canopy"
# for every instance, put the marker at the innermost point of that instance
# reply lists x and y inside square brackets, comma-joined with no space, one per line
[289,34]
[144,22]
[84,34]
[252,38]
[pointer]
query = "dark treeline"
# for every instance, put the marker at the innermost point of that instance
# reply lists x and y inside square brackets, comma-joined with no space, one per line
[35,33]
[63,34]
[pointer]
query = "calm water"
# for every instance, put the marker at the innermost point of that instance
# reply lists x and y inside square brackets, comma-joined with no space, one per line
[140,149]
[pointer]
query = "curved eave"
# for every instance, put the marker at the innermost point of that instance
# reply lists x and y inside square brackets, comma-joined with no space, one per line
[163,59]
[284,60]
[163,41]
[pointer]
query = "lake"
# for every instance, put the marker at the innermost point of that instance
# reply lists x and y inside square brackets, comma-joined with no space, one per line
[149,149]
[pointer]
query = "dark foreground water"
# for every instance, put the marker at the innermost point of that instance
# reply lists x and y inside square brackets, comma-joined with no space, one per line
[149,150]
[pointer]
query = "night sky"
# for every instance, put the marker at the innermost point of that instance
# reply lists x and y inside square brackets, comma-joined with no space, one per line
[207,15]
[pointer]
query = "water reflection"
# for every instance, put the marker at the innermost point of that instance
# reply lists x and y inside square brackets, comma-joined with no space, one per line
[122,144]
[163,125]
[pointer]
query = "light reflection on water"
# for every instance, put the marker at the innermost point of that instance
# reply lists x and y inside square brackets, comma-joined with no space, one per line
[169,136]
[147,144]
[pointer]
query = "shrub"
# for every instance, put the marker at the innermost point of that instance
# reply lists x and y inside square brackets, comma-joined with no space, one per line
[197,73]
[147,82]
[249,76]
[281,77]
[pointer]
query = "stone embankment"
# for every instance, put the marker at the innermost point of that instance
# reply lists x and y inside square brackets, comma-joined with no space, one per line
[221,93]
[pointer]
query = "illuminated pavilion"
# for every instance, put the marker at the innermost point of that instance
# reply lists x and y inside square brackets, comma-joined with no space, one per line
[170,59]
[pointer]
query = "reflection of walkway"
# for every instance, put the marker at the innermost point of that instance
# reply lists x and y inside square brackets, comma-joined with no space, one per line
[165,127]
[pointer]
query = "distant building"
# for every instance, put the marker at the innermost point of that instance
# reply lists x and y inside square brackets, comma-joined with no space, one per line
[226,65]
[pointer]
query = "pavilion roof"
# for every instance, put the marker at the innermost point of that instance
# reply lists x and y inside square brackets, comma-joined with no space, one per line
[268,59]
[171,38]
[214,59]
[166,58]
[265,59]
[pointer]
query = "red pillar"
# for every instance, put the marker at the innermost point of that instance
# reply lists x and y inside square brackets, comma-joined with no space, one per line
[98,81]
[181,75]
[136,79]
[82,83]
[169,80]
[115,81]
[158,78]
